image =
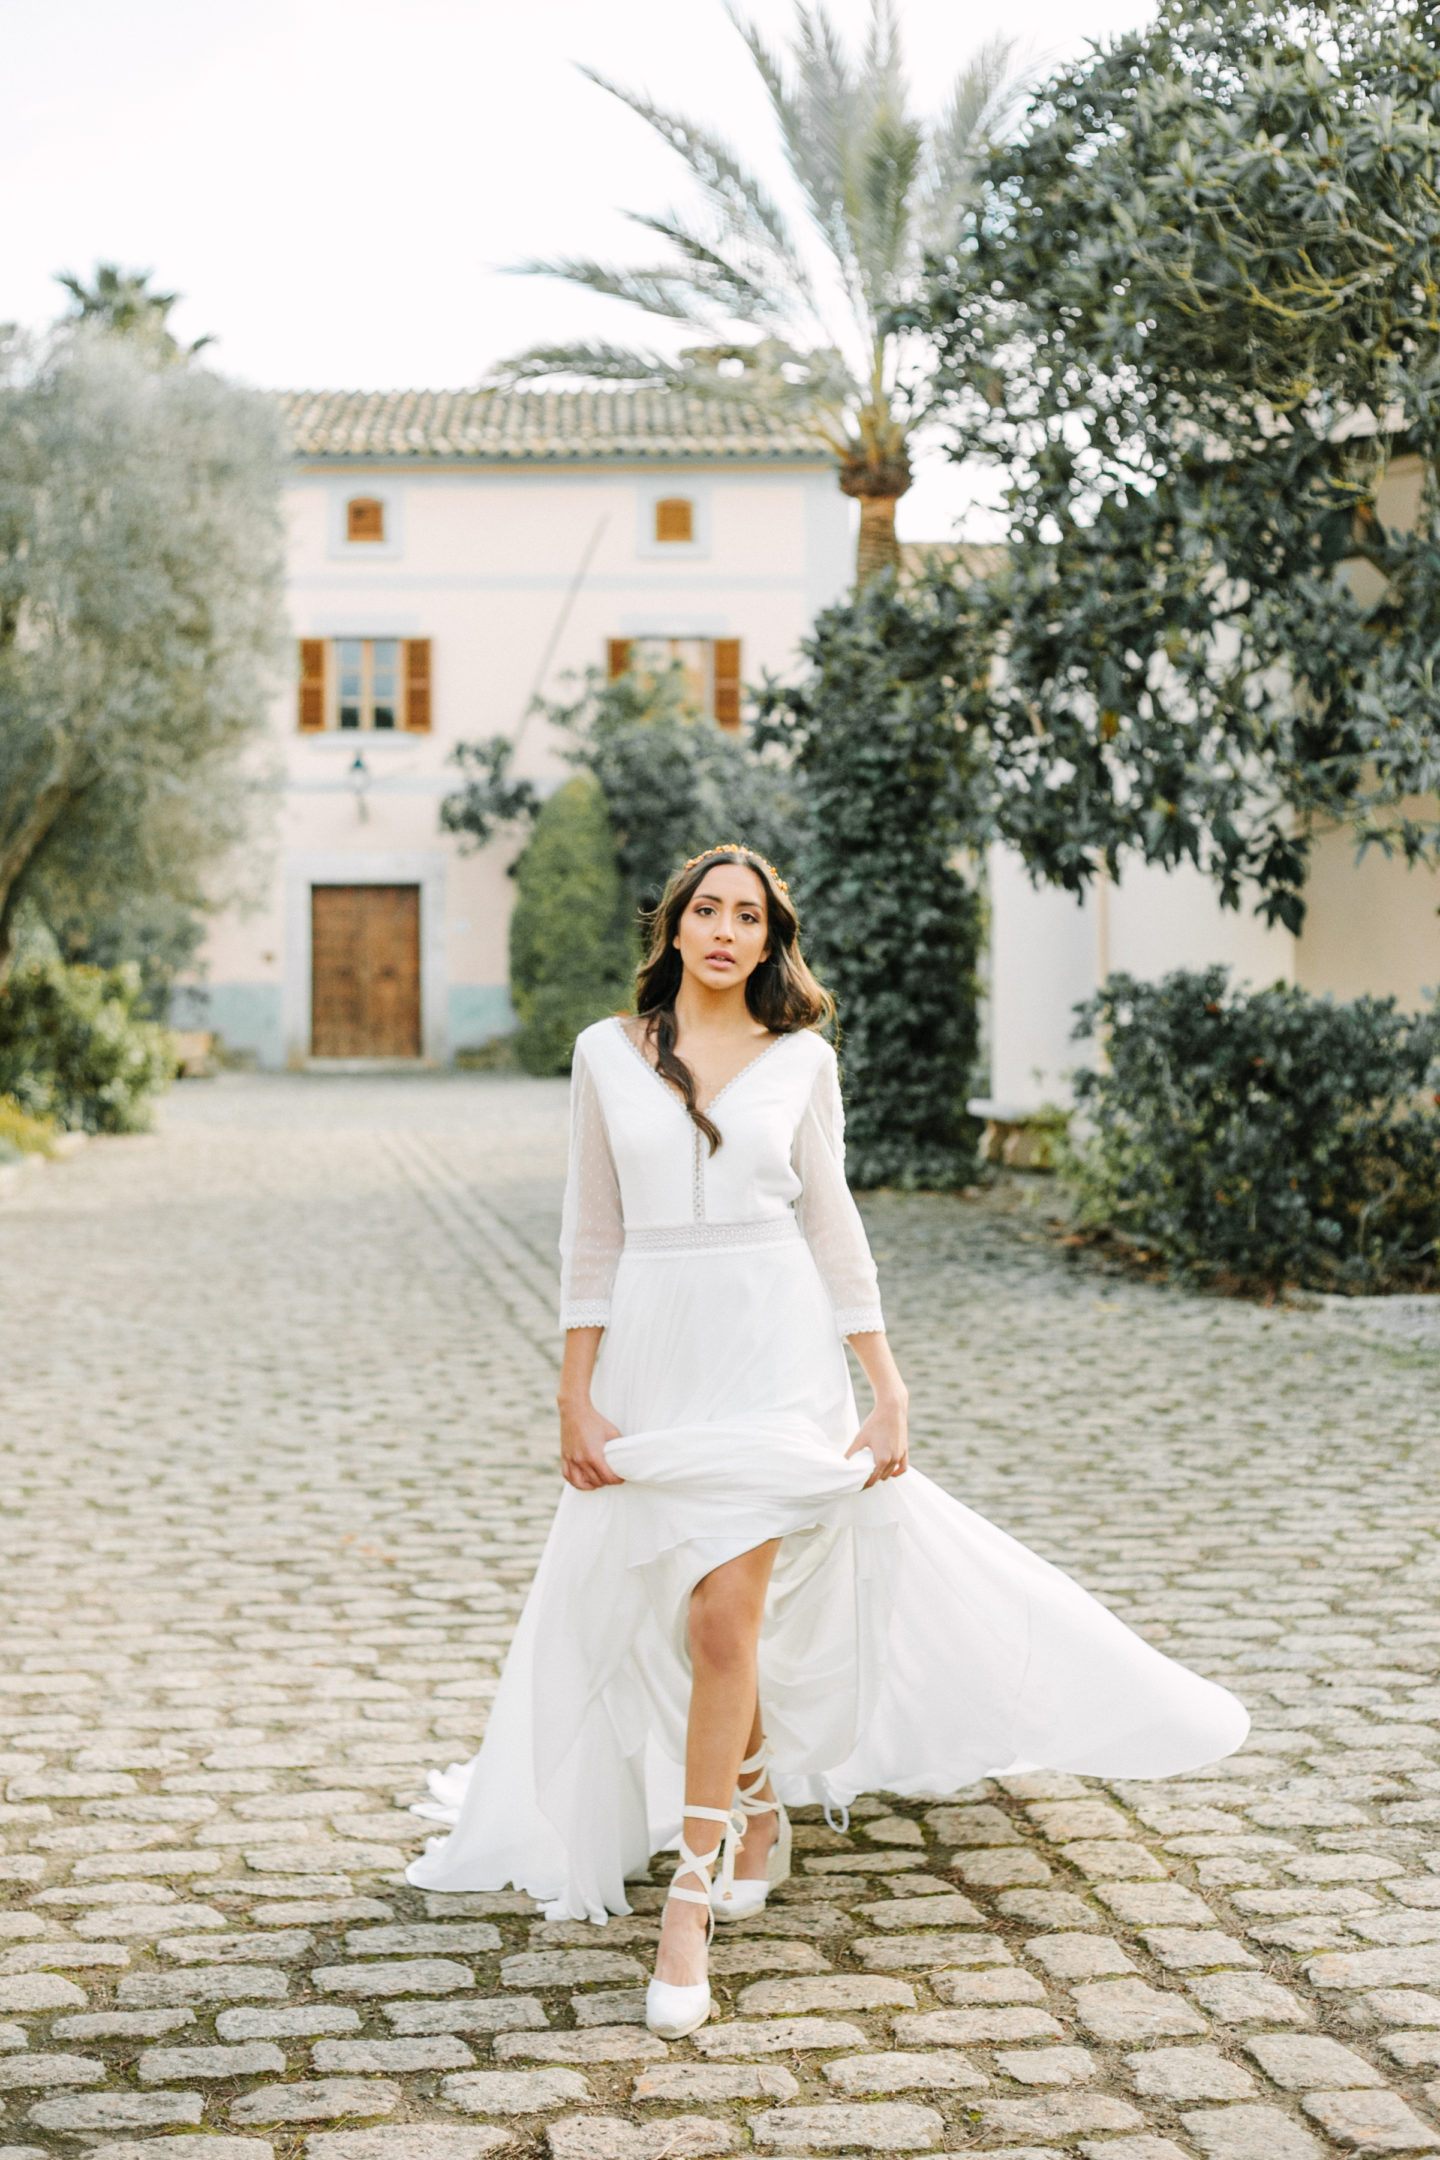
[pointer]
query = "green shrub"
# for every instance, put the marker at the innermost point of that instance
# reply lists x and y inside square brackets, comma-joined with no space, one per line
[1257,1139]
[21,1134]
[673,781]
[572,939]
[892,925]
[73,1047]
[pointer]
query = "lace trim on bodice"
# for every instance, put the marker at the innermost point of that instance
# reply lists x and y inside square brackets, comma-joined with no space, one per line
[700,1237]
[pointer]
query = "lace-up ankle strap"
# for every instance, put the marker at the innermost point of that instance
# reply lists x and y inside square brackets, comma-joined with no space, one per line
[700,1865]
[756,1767]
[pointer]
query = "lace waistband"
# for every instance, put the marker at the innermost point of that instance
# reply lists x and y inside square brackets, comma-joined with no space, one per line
[698,1237]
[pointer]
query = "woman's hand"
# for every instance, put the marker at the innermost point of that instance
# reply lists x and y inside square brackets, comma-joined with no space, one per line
[583,1434]
[885,1433]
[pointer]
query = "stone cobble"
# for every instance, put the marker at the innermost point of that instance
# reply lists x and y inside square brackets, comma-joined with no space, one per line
[277,1450]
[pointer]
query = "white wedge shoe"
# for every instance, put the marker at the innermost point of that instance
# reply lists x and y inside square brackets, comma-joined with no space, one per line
[672,2012]
[739,1900]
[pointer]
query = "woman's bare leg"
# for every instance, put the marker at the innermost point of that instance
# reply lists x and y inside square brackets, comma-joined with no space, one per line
[726,1608]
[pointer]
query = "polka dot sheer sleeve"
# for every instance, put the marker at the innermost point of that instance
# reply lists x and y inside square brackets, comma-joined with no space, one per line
[592,1228]
[827,1212]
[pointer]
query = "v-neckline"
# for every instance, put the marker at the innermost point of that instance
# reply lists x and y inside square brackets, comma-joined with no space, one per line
[673,1094]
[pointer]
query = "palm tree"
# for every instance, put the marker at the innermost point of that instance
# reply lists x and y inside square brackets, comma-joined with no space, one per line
[121,301]
[879,186]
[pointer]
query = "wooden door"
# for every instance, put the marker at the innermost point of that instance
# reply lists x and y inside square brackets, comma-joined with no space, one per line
[365,971]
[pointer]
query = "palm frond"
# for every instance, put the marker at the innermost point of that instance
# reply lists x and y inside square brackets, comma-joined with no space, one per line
[772,372]
[667,290]
[813,389]
[887,164]
[882,75]
[612,365]
[746,210]
[986,92]
[814,117]
[746,292]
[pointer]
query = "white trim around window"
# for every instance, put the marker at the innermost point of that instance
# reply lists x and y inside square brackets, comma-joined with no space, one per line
[342,491]
[649,492]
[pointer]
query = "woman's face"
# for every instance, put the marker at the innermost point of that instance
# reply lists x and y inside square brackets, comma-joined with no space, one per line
[724,932]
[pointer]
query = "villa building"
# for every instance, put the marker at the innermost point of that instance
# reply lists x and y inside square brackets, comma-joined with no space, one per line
[451,555]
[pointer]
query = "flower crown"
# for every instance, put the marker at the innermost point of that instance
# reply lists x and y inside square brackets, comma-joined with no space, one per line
[738,847]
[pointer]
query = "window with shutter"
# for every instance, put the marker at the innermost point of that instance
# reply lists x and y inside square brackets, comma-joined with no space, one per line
[311,714]
[727,681]
[675,519]
[417,686]
[379,684]
[710,666]
[364,518]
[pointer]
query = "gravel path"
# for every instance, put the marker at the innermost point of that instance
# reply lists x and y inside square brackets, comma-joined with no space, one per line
[278,1459]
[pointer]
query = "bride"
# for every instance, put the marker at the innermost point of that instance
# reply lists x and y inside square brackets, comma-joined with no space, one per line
[747,1596]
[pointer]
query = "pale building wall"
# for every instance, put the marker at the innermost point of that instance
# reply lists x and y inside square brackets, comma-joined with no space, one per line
[1371,925]
[1050,951]
[484,562]
[1042,962]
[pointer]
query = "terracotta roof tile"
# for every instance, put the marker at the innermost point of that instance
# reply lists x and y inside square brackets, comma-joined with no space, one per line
[555,427]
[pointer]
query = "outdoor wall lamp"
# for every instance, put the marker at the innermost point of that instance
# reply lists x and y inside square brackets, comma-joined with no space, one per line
[360,777]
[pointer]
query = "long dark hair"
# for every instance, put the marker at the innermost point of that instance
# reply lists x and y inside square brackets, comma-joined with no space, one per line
[781,993]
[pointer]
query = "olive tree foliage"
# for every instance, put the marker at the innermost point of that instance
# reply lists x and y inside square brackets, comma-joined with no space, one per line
[1199,298]
[140,619]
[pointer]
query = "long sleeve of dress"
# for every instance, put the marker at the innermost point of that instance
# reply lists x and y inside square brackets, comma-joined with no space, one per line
[827,1212]
[592,1227]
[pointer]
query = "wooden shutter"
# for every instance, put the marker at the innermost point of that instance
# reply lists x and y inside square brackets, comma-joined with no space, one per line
[364,518]
[618,657]
[417,686]
[675,519]
[727,681]
[311,716]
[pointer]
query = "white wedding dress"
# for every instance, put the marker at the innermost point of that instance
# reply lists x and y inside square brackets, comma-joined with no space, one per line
[908,1645]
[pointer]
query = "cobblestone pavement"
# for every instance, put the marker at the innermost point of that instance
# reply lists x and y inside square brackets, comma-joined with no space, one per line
[278,1459]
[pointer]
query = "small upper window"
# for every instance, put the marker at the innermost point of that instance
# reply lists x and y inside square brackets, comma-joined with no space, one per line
[675,518]
[365,518]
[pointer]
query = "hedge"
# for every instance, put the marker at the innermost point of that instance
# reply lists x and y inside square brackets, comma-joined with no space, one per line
[1262,1138]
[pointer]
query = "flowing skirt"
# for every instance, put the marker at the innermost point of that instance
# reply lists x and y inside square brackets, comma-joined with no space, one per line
[908,1645]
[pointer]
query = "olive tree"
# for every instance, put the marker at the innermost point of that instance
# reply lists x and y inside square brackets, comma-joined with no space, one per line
[140,611]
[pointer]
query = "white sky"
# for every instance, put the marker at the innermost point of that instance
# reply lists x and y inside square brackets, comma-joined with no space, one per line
[335,185]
